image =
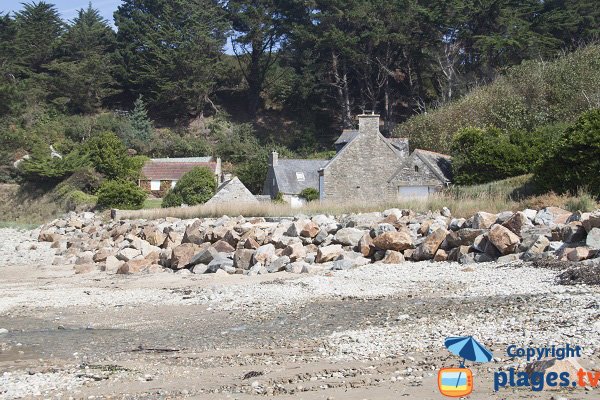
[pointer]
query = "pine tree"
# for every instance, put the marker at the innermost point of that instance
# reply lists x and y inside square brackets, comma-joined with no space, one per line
[141,125]
[83,77]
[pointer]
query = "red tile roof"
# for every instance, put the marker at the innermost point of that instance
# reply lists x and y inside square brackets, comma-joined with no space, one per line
[172,170]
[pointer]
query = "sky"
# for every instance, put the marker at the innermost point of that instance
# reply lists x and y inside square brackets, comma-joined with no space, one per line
[67,8]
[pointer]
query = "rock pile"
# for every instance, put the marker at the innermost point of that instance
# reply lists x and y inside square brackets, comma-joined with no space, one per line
[314,244]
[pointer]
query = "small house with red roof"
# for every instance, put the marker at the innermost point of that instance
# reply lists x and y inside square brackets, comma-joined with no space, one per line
[159,175]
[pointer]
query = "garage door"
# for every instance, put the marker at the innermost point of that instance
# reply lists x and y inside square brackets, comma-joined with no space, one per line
[413,191]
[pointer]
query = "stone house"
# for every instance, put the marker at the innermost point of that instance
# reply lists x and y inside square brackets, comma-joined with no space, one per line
[290,177]
[159,175]
[232,191]
[366,167]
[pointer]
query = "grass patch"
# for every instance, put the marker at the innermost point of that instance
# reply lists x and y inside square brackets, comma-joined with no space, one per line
[152,203]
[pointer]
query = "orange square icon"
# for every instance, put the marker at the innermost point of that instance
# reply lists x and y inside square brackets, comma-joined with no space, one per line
[455,382]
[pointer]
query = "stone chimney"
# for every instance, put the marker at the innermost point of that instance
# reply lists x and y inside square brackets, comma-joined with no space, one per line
[368,124]
[274,159]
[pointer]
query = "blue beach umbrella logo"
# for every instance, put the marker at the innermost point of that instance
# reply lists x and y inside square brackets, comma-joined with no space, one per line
[458,382]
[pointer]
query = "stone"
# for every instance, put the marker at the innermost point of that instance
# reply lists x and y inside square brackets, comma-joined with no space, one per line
[85,268]
[365,245]
[102,254]
[457,223]
[251,244]
[223,247]
[243,258]
[278,264]
[200,269]
[456,253]
[530,214]
[463,237]
[392,257]
[295,267]
[573,232]
[578,254]
[294,251]
[133,267]
[46,236]
[321,236]
[398,241]
[264,254]
[446,212]
[546,366]
[427,249]
[503,239]
[182,255]
[204,256]
[222,263]
[382,228]
[440,255]
[484,220]
[356,258]
[295,228]
[593,239]
[517,223]
[86,257]
[154,237]
[348,236]
[509,258]
[552,216]
[328,253]
[112,264]
[194,233]
[591,220]
[342,265]
[128,254]
[310,229]
[232,238]
[538,247]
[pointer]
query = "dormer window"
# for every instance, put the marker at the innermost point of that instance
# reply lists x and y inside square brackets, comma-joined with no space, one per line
[300,176]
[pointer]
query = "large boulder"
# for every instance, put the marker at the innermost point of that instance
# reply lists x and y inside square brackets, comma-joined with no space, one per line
[328,253]
[223,247]
[348,236]
[463,237]
[392,257]
[128,254]
[427,249]
[264,254]
[397,241]
[154,236]
[484,220]
[538,247]
[310,230]
[573,232]
[205,255]
[242,258]
[518,223]
[194,233]
[294,251]
[182,255]
[552,216]
[591,220]
[365,245]
[503,239]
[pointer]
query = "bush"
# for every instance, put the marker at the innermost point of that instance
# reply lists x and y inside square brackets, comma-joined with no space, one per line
[575,162]
[309,194]
[533,94]
[195,187]
[109,156]
[120,194]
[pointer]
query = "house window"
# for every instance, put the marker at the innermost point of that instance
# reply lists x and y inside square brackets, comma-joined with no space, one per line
[154,185]
[300,176]
[416,168]
[173,183]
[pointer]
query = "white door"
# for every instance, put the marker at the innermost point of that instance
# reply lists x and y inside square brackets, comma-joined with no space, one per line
[413,191]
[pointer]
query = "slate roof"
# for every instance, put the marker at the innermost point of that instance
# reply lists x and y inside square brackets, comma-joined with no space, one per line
[346,136]
[232,191]
[172,169]
[287,179]
[440,164]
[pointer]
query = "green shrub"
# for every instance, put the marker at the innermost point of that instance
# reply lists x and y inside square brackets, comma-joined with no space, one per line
[309,194]
[195,187]
[109,156]
[120,194]
[575,162]
[278,199]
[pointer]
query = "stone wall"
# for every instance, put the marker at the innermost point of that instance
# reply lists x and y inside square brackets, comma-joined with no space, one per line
[414,172]
[361,170]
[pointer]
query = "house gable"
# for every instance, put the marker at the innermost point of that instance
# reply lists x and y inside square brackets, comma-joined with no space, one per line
[362,168]
[422,168]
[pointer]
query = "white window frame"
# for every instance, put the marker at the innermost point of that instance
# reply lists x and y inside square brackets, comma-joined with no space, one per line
[173,183]
[153,185]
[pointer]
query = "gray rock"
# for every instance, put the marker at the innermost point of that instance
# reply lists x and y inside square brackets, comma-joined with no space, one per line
[509,258]
[200,269]
[457,223]
[593,239]
[220,263]
[381,228]
[349,236]
[530,214]
[242,258]
[264,254]
[339,265]
[321,236]
[128,254]
[205,256]
[278,264]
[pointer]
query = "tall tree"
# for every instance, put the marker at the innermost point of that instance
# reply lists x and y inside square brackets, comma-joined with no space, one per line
[38,28]
[84,74]
[258,34]
[171,53]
